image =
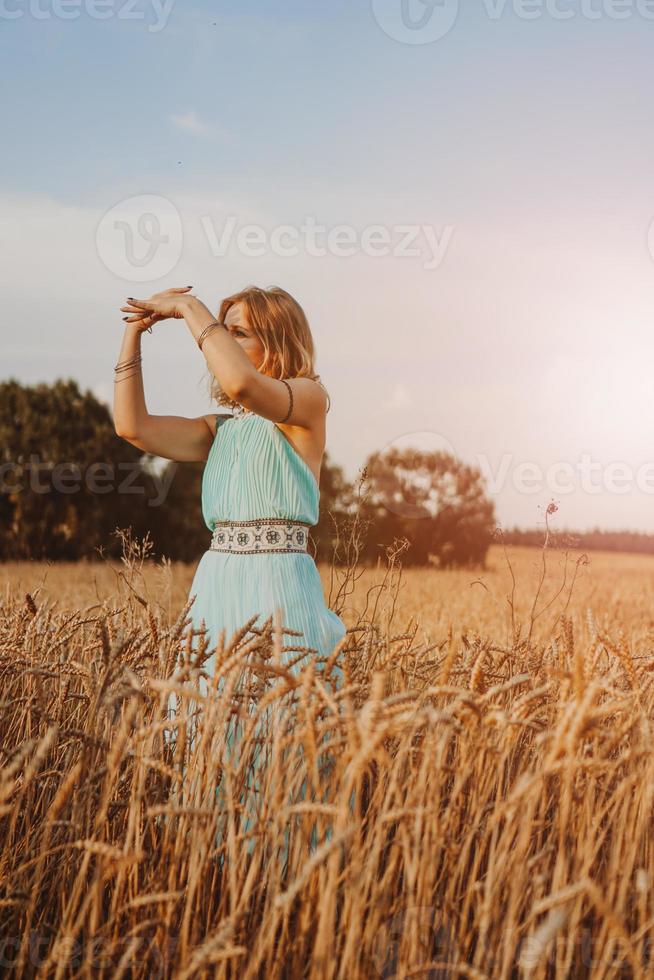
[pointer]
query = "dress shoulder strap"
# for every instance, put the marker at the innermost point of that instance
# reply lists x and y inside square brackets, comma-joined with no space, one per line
[220,418]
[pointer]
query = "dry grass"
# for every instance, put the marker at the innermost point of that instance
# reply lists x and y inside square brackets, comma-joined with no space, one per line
[475,800]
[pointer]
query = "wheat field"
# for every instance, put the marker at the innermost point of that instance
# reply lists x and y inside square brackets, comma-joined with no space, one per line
[474,801]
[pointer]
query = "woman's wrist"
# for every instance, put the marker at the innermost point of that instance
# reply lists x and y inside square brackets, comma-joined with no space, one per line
[188,303]
[197,315]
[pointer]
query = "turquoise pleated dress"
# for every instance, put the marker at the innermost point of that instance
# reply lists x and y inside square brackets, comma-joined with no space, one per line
[253,472]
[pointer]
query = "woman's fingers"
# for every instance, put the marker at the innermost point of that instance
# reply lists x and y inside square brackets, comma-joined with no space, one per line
[141,317]
[159,307]
[142,307]
[170,292]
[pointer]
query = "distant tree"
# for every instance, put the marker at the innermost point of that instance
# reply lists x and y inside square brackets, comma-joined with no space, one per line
[66,479]
[179,530]
[435,501]
[335,503]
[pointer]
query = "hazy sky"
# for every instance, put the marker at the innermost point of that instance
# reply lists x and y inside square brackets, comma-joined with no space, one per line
[506,147]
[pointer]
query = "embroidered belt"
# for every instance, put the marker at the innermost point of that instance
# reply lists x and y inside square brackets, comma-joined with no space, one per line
[252,537]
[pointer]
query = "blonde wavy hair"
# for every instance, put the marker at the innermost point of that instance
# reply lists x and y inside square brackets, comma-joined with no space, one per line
[281,326]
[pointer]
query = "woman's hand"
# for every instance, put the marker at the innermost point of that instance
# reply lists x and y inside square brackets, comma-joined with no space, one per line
[160,306]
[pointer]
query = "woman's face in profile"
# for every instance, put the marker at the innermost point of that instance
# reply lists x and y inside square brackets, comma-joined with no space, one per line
[236,322]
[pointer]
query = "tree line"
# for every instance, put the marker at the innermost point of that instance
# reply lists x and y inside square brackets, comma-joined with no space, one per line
[68,483]
[593,540]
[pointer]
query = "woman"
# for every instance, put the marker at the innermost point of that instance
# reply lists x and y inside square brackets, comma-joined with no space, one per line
[260,485]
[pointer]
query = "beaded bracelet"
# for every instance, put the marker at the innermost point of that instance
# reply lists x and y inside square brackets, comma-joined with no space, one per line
[290,391]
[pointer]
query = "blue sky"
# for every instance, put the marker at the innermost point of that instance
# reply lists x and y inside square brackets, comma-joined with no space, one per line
[525,145]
